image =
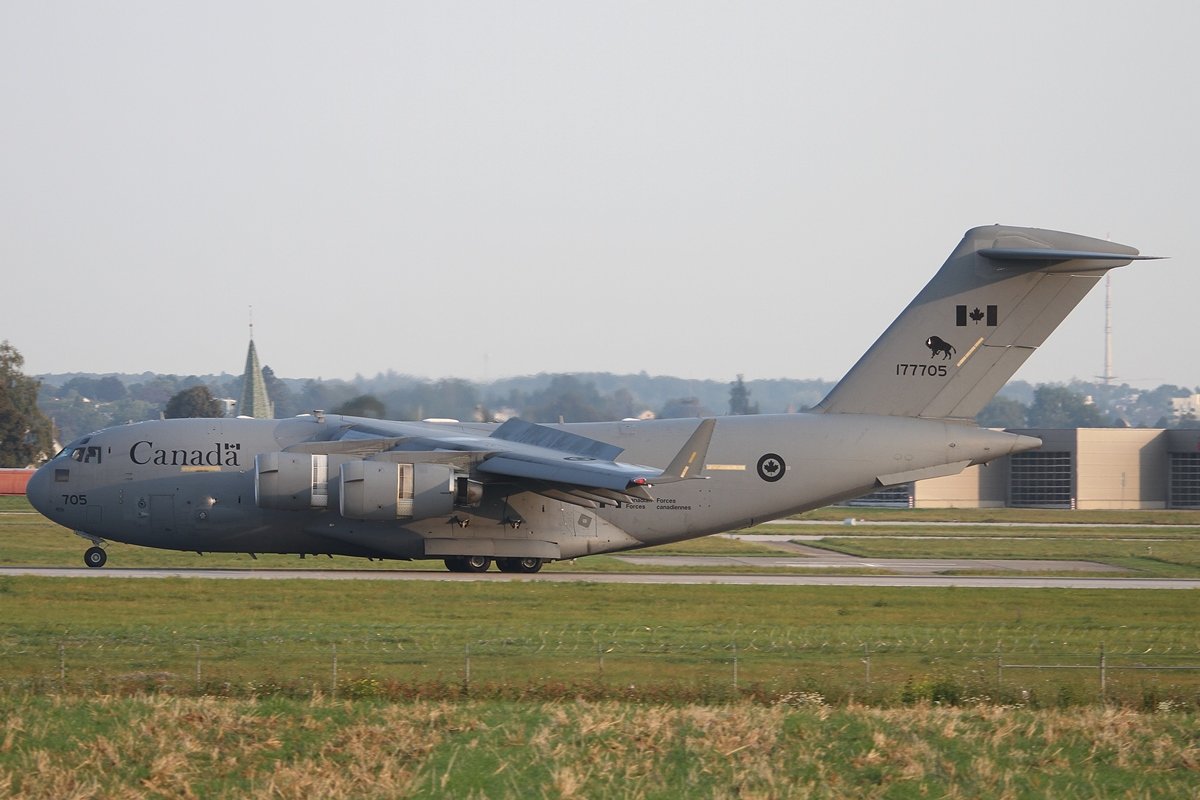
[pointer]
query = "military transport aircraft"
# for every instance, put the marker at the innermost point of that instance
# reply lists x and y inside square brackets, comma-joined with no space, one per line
[522,494]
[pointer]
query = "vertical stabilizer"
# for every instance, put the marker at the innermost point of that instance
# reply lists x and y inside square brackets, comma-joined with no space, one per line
[994,301]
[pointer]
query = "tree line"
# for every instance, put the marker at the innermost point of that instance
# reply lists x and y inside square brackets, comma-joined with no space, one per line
[80,403]
[36,410]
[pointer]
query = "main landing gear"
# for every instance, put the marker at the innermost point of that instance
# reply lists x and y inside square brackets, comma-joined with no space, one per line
[468,563]
[481,564]
[528,565]
[95,557]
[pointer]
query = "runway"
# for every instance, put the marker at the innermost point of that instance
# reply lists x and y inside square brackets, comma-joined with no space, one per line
[823,559]
[989,582]
[717,570]
[807,557]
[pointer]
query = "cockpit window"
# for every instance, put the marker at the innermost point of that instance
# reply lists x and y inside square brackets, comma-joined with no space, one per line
[79,452]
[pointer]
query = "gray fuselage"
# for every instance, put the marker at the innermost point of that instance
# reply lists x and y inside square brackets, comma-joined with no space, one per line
[191,484]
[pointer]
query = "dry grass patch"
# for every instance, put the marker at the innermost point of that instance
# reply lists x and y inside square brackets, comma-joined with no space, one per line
[153,746]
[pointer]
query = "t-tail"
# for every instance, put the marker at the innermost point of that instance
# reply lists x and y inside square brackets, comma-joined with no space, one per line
[994,301]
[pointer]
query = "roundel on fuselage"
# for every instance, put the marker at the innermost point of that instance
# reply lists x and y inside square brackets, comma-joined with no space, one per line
[771,467]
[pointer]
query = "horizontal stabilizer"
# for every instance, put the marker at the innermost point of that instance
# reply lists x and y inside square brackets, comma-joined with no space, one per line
[1047,255]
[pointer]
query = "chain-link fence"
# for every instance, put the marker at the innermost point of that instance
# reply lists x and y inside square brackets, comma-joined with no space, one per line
[1038,666]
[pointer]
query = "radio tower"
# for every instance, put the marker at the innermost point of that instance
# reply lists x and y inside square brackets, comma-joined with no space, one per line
[1108,372]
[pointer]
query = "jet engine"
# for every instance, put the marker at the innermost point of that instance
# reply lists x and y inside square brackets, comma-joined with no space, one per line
[291,481]
[382,490]
[369,490]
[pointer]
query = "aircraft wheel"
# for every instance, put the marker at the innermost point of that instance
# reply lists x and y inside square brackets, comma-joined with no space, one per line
[476,563]
[95,557]
[527,565]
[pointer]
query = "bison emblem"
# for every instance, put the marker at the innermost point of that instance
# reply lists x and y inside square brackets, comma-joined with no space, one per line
[938,345]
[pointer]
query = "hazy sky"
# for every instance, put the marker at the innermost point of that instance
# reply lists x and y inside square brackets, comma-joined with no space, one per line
[491,189]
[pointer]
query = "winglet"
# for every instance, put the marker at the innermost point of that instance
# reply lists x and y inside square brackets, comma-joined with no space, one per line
[689,461]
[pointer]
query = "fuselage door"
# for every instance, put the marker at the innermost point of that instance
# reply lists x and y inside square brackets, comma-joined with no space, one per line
[162,513]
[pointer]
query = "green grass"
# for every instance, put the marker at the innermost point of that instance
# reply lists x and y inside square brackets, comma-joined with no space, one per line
[340,611]
[1167,559]
[1034,515]
[186,687]
[983,531]
[126,635]
[800,747]
[14,503]
[399,639]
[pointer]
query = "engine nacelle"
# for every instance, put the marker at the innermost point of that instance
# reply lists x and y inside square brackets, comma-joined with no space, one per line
[382,490]
[291,481]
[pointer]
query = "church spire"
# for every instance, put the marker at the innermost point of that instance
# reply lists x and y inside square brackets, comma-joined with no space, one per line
[254,402]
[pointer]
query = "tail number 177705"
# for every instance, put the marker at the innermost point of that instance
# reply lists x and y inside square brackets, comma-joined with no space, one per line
[922,370]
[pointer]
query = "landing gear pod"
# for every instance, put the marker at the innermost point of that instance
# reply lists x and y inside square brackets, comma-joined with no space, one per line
[291,481]
[380,490]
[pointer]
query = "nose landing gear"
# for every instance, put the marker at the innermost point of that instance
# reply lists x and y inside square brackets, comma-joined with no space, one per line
[95,557]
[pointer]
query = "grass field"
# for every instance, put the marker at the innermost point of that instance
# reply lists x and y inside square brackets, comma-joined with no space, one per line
[1166,558]
[527,639]
[1039,516]
[213,748]
[715,642]
[185,687]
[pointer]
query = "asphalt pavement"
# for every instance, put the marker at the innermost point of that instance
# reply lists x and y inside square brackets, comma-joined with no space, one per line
[1016,582]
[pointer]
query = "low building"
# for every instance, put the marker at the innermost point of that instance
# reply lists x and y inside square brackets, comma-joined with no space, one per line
[1114,468]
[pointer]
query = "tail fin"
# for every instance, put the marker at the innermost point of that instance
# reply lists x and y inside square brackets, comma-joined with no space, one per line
[994,301]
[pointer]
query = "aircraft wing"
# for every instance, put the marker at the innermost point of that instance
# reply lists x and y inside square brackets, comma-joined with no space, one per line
[538,458]
[362,448]
[565,462]
[566,466]
[561,470]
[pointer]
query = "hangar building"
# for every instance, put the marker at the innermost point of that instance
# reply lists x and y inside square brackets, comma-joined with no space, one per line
[1127,468]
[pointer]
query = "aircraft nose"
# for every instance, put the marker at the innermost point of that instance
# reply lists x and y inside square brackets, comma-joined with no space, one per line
[38,489]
